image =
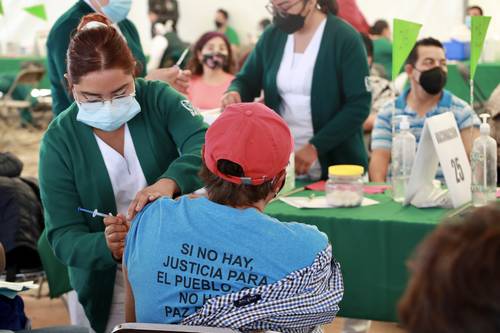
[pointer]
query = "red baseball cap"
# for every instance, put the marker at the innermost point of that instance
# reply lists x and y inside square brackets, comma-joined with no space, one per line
[253,136]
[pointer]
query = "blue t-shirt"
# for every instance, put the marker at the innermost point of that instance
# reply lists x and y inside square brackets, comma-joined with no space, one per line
[180,253]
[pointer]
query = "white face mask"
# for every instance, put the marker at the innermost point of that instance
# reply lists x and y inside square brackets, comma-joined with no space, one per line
[108,115]
[116,10]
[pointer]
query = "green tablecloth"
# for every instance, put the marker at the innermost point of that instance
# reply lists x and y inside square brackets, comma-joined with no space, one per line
[12,65]
[487,78]
[372,245]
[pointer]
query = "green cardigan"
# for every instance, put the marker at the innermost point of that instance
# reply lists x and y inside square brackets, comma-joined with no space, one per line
[58,43]
[340,101]
[168,137]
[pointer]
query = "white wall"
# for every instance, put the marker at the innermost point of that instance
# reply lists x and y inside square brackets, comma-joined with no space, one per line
[198,16]
[438,17]
[490,8]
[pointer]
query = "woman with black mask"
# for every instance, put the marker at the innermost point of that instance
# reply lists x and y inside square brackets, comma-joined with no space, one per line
[212,67]
[312,68]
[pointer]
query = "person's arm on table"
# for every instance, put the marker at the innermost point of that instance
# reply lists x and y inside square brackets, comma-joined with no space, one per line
[379,163]
[67,231]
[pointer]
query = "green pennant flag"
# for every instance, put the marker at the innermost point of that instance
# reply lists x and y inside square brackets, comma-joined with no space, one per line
[479,28]
[1,8]
[404,37]
[38,11]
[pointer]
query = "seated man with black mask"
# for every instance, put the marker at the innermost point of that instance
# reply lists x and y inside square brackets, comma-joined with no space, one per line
[426,97]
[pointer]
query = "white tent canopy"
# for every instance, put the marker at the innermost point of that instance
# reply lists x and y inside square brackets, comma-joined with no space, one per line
[196,17]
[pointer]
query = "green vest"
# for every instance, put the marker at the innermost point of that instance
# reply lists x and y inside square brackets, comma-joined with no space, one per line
[168,136]
[58,43]
[340,102]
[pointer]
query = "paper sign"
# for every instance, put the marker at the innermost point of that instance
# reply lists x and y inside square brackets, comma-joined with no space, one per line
[441,143]
[479,28]
[38,11]
[318,202]
[404,36]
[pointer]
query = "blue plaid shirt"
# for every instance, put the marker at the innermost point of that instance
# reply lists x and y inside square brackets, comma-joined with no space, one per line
[382,130]
[299,303]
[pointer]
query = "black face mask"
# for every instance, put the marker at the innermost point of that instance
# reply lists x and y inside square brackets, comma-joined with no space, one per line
[215,60]
[290,23]
[433,80]
[218,24]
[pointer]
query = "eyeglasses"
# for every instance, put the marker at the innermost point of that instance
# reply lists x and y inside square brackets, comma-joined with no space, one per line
[102,101]
[281,10]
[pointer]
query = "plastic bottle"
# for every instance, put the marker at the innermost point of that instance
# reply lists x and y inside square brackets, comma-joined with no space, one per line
[484,164]
[402,154]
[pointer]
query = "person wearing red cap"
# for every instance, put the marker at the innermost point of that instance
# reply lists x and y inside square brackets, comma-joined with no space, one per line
[181,253]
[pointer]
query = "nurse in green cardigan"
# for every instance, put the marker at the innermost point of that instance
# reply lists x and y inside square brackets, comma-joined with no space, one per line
[123,143]
[312,67]
[60,35]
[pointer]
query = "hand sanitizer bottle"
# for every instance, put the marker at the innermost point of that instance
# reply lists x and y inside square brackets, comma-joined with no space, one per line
[484,164]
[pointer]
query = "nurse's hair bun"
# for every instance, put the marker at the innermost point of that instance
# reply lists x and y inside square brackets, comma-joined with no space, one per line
[98,46]
[94,20]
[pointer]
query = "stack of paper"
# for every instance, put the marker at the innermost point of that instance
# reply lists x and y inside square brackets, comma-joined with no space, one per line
[10,289]
[317,202]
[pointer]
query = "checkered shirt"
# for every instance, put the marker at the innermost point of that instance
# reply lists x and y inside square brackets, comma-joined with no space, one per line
[298,303]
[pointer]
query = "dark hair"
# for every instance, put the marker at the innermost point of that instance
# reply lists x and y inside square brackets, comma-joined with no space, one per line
[368,44]
[230,194]
[224,13]
[378,27]
[328,6]
[429,41]
[96,49]
[264,23]
[194,63]
[454,287]
[477,8]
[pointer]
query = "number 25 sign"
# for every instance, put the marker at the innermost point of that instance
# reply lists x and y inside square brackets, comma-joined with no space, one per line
[441,143]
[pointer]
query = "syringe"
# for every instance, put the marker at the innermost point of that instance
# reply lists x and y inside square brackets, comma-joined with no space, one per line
[94,213]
